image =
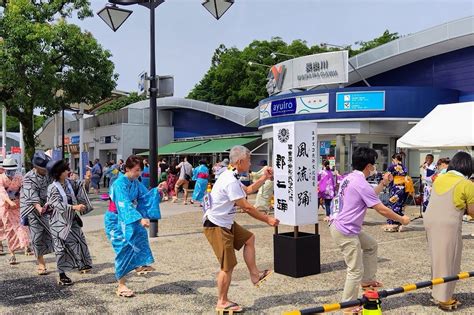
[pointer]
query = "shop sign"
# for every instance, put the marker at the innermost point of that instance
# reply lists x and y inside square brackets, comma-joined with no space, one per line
[294,169]
[360,101]
[16,150]
[75,139]
[67,140]
[324,147]
[308,71]
[308,104]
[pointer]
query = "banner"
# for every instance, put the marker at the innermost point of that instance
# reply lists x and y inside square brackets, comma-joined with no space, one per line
[307,104]
[309,71]
[85,162]
[295,173]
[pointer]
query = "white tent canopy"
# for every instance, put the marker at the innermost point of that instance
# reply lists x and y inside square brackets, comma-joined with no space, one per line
[448,125]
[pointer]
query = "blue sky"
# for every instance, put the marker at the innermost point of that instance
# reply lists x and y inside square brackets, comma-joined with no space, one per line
[187,35]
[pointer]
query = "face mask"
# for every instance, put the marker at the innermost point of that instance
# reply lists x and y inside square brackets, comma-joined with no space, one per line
[373,172]
[11,173]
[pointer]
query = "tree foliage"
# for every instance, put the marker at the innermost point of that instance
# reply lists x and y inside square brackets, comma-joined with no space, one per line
[47,63]
[13,125]
[232,81]
[121,103]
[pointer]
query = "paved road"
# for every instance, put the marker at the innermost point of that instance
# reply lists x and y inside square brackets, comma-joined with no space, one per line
[184,281]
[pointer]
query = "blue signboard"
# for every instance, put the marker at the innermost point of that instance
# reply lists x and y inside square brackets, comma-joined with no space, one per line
[74,139]
[85,162]
[324,147]
[284,107]
[360,101]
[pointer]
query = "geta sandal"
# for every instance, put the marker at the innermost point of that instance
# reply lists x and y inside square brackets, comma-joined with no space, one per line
[12,260]
[372,285]
[266,273]
[42,271]
[354,311]
[448,306]
[125,293]
[64,280]
[143,270]
[229,309]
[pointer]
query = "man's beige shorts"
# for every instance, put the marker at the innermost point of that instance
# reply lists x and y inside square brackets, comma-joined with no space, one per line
[224,242]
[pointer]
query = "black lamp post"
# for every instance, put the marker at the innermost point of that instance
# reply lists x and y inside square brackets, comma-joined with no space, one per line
[114,17]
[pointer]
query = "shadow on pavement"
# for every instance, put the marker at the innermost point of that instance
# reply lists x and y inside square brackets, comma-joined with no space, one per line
[423,298]
[305,297]
[24,291]
[341,265]
[181,287]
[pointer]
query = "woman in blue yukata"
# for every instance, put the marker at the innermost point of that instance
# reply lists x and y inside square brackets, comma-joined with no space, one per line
[201,176]
[398,194]
[131,208]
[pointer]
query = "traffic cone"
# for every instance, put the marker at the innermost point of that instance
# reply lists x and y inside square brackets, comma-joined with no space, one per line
[372,306]
[209,187]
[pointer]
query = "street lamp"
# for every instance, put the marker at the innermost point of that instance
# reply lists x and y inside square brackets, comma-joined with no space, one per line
[252,63]
[114,16]
[216,7]
[275,54]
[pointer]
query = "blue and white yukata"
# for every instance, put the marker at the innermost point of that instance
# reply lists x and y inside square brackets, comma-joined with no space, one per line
[201,176]
[133,202]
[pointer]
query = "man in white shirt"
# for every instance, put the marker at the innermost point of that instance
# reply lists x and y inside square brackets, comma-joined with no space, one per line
[185,175]
[224,234]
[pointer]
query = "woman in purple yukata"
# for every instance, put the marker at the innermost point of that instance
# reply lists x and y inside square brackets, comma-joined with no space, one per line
[326,187]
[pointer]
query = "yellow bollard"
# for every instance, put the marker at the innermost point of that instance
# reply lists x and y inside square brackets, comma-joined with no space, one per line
[372,306]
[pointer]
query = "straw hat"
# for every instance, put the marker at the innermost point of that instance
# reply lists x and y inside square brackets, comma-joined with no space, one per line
[9,164]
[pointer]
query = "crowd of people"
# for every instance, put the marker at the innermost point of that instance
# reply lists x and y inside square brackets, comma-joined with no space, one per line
[41,213]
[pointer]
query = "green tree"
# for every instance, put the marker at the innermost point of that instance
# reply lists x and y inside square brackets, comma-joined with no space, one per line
[232,81]
[121,103]
[47,63]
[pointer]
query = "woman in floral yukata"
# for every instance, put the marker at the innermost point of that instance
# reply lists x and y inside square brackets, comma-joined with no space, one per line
[16,234]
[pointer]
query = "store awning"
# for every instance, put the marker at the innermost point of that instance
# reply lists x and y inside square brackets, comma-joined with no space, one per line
[176,147]
[219,145]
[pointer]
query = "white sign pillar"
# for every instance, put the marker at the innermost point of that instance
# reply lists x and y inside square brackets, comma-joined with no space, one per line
[295,173]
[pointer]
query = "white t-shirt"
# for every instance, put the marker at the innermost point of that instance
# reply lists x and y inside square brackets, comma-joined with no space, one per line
[225,192]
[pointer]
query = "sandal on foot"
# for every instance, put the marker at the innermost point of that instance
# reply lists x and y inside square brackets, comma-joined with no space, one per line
[85,269]
[64,280]
[28,252]
[12,260]
[126,293]
[266,273]
[42,271]
[231,308]
[353,311]
[371,285]
[143,270]
[448,306]
[390,228]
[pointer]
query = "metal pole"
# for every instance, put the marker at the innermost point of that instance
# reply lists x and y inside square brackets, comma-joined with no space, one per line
[62,140]
[153,119]
[22,146]
[4,128]
[81,139]
[55,141]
